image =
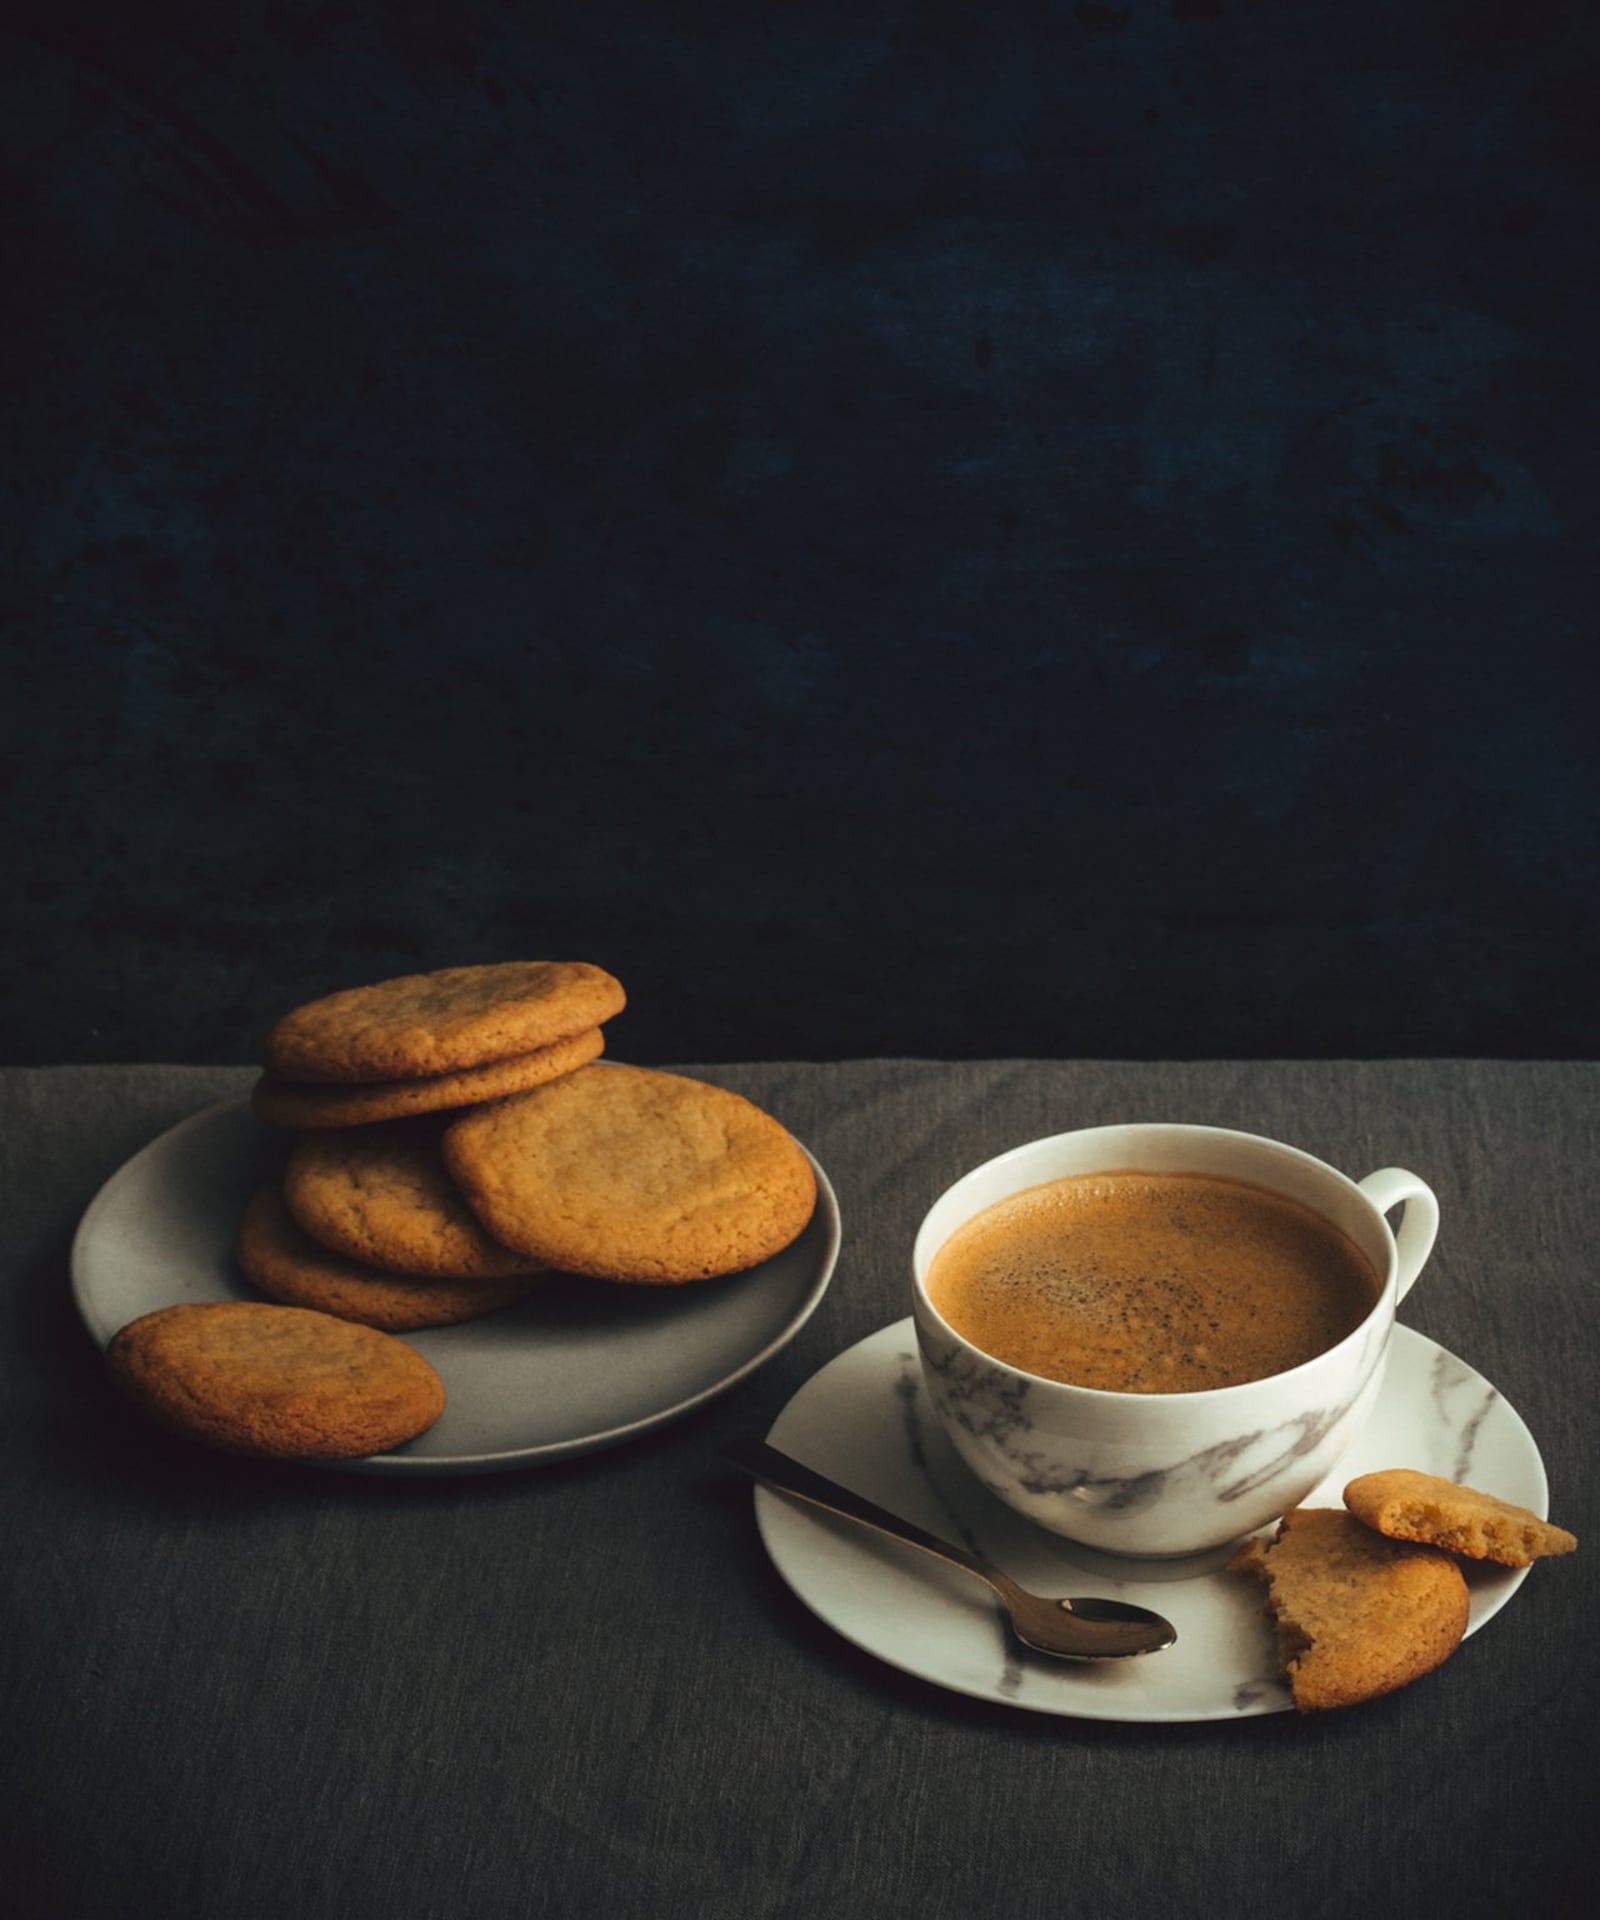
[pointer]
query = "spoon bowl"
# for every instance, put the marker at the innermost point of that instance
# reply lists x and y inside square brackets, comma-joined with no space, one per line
[1070,1629]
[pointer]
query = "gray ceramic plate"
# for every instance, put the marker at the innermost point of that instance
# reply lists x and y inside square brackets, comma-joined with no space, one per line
[581,1365]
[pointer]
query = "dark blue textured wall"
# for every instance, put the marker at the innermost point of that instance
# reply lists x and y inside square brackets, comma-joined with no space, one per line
[1057,529]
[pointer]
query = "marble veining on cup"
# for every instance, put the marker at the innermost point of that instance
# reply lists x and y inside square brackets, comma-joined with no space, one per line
[1051,1483]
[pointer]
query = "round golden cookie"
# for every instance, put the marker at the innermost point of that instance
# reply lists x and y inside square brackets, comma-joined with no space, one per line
[625,1173]
[278,1381]
[1356,1615]
[290,1103]
[381,1195]
[278,1258]
[429,1023]
[1405,1505]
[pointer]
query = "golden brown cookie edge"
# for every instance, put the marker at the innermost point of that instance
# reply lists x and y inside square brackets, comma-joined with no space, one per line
[791,1197]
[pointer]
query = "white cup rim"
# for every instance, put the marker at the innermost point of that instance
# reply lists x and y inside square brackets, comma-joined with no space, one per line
[922,1257]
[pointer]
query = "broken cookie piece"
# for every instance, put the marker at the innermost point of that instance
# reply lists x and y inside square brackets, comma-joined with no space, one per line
[1357,1615]
[1406,1505]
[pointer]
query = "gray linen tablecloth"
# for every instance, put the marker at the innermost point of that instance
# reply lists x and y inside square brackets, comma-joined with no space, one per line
[236,1689]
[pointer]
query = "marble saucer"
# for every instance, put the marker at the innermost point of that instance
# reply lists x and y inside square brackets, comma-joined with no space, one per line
[866,1419]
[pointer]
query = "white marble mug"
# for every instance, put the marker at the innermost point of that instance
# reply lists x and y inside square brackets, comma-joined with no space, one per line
[1168,1474]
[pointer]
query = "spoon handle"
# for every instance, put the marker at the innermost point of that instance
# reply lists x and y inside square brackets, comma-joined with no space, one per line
[779,1470]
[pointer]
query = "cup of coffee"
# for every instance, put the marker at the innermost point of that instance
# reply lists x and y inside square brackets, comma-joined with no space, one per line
[1155,1339]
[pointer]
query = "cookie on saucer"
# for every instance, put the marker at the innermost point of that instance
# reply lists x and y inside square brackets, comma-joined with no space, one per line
[1405,1505]
[627,1173]
[276,1381]
[276,1257]
[1356,1615]
[422,1024]
[381,1196]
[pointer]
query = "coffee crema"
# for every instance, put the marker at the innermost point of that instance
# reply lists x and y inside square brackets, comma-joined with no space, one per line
[1151,1282]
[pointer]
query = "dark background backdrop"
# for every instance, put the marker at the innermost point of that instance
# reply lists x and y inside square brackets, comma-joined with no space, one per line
[1036,529]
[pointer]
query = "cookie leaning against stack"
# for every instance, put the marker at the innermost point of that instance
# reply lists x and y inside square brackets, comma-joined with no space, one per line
[627,1173]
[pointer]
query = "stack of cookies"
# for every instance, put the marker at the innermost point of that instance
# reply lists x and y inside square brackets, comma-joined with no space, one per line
[1370,1596]
[457,1140]
[366,1223]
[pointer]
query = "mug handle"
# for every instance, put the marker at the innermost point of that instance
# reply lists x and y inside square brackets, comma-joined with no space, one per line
[1419,1224]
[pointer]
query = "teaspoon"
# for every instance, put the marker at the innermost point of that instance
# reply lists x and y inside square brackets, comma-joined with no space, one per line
[1082,1629]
